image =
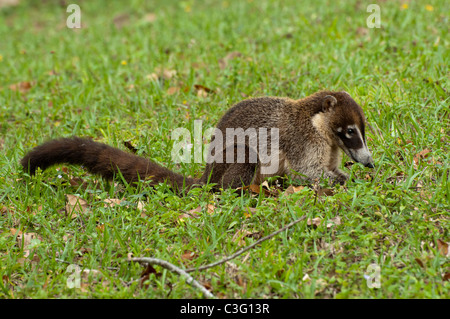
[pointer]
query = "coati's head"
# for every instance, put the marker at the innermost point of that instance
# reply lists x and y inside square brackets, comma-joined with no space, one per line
[342,121]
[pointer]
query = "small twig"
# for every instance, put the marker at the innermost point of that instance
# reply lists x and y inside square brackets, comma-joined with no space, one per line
[165,264]
[243,250]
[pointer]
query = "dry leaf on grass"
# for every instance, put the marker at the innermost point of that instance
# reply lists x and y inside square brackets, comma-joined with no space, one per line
[293,189]
[314,221]
[241,234]
[26,241]
[324,192]
[306,278]
[421,155]
[443,248]
[22,87]
[194,213]
[446,276]
[75,205]
[202,91]
[419,262]
[152,77]
[249,211]
[188,255]
[7,3]
[253,188]
[4,210]
[141,207]
[111,202]
[172,90]
[145,275]
[335,221]
[166,74]
[329,223]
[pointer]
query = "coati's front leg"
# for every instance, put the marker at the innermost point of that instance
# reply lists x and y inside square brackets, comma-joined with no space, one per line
[338,176]
[315,172]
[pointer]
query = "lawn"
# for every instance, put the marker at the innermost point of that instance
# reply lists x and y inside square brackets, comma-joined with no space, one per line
[138,70]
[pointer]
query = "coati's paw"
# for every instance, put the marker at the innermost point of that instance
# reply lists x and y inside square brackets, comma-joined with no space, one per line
[340,178]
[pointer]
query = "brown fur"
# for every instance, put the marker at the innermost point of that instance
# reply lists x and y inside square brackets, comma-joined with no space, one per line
[308,144]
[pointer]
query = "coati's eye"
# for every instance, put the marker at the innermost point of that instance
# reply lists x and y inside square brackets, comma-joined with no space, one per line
[350,131]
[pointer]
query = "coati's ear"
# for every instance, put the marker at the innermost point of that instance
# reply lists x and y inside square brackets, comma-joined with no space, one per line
[328,102]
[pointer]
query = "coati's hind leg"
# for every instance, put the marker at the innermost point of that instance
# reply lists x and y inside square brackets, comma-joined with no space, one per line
[239,175]
[236,171]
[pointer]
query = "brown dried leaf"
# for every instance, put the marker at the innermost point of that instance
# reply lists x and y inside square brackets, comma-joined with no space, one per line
[24,240]
[206,284]
[324,192]
[5,210]
[420,262]
[199,87]
[172,90]
[140,206]
[111,202]
[149,270]
[253,188]
[293,189]
[166,74]
[193,213]
[241,234]
[22,87]
[333,222]
[446,276]
[314,222]
[202,94]
[421,155]
[7,3]
[188,255]
[85,250]
[152,76]
[211,208]
[250,211]
[443,248]
[75,205]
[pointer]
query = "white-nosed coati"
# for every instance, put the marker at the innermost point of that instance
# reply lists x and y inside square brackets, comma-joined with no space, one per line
[311,134]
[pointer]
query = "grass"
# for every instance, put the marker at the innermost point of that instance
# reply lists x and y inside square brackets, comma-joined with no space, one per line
[103,81]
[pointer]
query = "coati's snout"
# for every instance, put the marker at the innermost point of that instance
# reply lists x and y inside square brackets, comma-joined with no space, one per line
[361,155]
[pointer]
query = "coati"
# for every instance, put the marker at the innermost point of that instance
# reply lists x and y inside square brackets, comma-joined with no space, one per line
[305,137]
